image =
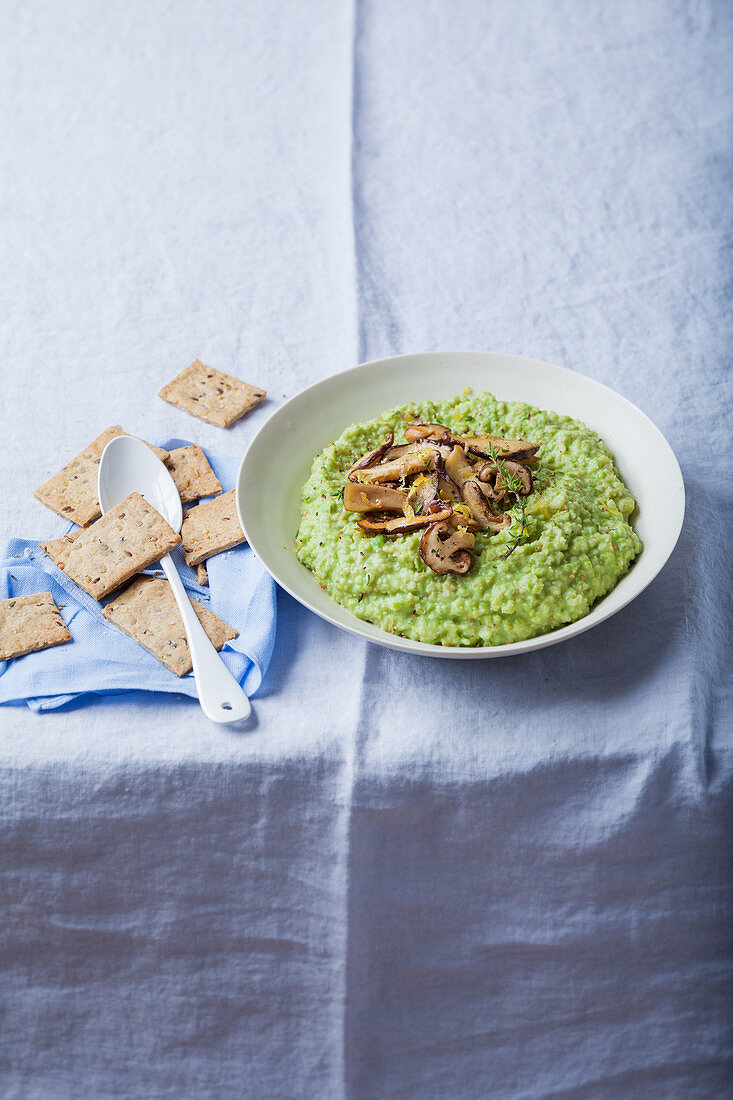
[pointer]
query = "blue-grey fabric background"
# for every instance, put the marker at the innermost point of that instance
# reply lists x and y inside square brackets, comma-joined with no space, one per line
[412,878]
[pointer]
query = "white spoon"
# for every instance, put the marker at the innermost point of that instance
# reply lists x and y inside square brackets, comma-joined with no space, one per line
[127,465]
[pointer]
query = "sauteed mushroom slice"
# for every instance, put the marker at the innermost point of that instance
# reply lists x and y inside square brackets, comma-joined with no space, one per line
[423,492]
[416,462]
[402,449]
[372,458]
[373,525]
[446,550]
[486,445]
[400,525]
[463,475]
[498,523]
[373,498]
[399,451]
[457,466]
[419,430]
[519,470]
[488,473]
[474,498]
[448,487]
[466,523]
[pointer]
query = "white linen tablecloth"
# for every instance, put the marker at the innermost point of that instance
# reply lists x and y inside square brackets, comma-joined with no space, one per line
[413,878]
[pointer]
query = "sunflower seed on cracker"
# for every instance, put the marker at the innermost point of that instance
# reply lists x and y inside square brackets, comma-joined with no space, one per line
[72,491]
[211,395]
[147,612]
[28,623]
[189,467]
[210,528]
[127,538]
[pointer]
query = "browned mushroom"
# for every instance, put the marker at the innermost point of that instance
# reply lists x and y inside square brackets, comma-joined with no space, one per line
[400,525]
[419,430]
[521,471]
[373,498]
[463,476]
[423,492]
[458,519]
[402,449]
[399,451]
[445,549]
[488,473]
[416,462]
[457,466]
[485,446]
[477,502]
[498,523]
[473,496]
[372,458]
[447,488]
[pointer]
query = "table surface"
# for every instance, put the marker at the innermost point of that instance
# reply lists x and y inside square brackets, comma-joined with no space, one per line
[409,877]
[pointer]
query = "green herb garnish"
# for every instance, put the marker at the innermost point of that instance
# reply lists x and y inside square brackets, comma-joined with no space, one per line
[513,485]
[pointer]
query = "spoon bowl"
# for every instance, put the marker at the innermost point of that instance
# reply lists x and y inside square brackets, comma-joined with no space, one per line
[129,466]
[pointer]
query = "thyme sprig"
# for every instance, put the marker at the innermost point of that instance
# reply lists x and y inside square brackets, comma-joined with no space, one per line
[512,481]
[513,485]
[522,529]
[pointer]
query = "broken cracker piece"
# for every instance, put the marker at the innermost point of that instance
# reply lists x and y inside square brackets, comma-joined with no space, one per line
[127,538]
[211,395]
[147,612]
[29,623]
[202,575]
[189,467]
[72,492]
[210,528]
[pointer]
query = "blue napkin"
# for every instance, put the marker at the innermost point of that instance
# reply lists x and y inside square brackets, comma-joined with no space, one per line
[102,660]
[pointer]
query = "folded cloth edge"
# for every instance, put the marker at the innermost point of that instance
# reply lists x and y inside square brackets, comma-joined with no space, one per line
[247,662]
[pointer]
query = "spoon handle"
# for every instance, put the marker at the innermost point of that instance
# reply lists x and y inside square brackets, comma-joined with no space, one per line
[222,699]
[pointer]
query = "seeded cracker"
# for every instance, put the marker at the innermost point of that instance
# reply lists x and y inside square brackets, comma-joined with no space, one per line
[127,538]
[147,612]
[211,395]
[210,528]
[189,467]
[28,623]
[72,492]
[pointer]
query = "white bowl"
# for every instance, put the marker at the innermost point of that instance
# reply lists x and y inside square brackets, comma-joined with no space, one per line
[278,463]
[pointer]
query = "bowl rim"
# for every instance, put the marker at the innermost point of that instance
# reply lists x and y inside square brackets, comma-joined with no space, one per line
[594,617]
